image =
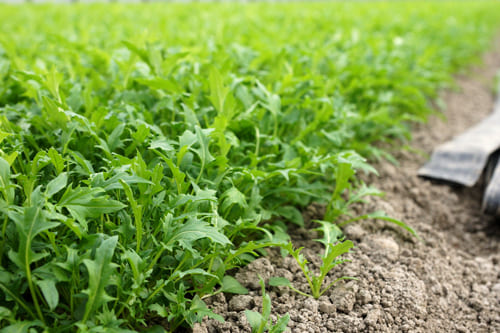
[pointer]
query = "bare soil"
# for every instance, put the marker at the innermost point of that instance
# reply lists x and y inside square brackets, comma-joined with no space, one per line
[449,282]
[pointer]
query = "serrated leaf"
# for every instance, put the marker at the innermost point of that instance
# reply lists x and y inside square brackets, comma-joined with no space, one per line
[100,271]
[203,140]
[113,183]
[343,174]
[161,144]
[29,222]
[56,159]
[137,210]
[135,261]
[159,309]
[331,233]
[232,197]
[332,252]
[192,231]
[364,191]
[83,202]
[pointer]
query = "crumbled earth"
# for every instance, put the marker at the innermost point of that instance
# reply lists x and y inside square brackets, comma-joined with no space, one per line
[449,282]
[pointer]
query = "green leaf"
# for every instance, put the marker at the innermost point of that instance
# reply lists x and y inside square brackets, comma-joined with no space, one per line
[193,230]
[10,158]
[231,285]
[331,233]
[254,318]
[3,135]
[5,313]
[56,159]
[161,144]
[142,53]
[331,253]
[83,202]
[279,281]
[364,191]
[5,184]
[22,327]
[232,197]
[201,310]
[281,324]
[194,271]
[137,210]
[292,214]
[100,271]
[13,294]
[114,141]
[343,174]
[381,215]
[203,139]
[266,300]
[161,84]
[50,293]
[29,222]
[159,309]
[113,183]
[218,92]
[56,184]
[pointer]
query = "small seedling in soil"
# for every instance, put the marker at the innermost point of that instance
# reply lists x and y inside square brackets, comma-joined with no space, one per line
[261,322]
[333,249]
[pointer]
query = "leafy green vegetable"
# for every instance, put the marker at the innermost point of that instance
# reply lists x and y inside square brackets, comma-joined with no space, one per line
[333,249]
[140,165]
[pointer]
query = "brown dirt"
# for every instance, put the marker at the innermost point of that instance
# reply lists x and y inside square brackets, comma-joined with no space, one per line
[450,282]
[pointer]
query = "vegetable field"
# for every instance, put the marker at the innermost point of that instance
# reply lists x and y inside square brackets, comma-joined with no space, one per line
[147,151]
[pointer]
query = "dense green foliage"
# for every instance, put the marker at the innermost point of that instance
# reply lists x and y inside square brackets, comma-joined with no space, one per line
[148,149]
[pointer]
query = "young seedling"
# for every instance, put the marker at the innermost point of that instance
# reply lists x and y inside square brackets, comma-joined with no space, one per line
[333,249]
[261,322]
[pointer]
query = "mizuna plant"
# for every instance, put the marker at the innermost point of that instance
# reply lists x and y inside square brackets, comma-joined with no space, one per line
[334,248]
[141,164]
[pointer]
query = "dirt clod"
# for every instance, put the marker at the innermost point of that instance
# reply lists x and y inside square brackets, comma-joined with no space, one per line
[241,302]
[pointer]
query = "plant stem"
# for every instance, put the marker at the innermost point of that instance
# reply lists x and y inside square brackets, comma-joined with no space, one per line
[33,292]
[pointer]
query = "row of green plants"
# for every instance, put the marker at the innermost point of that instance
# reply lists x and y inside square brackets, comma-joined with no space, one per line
[148,150]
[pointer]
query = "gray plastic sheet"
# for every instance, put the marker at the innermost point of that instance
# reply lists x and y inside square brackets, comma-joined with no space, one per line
[463,159]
